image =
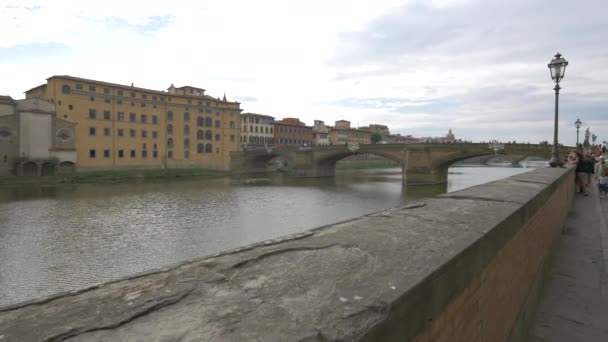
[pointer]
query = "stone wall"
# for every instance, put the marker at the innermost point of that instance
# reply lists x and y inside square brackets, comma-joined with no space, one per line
[462,267]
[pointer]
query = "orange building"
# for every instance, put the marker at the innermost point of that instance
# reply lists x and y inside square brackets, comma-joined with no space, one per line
[291,132]
[121,126]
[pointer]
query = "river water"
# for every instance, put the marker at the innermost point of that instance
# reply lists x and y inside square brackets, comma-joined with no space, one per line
[65,237]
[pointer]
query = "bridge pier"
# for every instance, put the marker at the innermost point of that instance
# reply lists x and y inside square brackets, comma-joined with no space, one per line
[425,176]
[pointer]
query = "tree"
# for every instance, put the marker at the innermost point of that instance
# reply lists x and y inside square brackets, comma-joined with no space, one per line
[376,137]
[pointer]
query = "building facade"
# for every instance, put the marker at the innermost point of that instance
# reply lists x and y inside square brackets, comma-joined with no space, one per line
[291,132]
[33,141]
[320,133]
[257,131]
[120,126]
[358,136]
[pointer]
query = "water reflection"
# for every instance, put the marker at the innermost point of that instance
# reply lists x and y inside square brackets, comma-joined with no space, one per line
[62,237]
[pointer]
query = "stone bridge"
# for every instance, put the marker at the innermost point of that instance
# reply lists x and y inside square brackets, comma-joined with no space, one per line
[420,163]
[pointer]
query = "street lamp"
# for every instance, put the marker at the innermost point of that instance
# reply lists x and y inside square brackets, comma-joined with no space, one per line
[577,124]
[558,69]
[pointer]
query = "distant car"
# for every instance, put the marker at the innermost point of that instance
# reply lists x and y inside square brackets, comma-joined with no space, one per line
[382,142]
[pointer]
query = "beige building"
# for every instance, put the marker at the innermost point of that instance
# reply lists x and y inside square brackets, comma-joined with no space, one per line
[257,130]
[122,126]
[33,141]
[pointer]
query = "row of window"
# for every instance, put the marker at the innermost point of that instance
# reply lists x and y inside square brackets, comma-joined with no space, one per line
[121,132]
[294,141]
[200,148]
[66,89]
[265,129]
[258,140]
[294,130]
[266,121]
[120,116]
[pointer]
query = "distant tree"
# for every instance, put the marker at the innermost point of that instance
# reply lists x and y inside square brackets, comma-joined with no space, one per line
[376,137]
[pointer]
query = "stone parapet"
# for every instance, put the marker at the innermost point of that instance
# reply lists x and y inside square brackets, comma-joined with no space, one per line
[461,267]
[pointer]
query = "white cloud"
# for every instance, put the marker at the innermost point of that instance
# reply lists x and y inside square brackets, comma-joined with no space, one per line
[476,66]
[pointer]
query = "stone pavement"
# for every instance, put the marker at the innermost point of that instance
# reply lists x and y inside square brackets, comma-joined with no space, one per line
[574,301]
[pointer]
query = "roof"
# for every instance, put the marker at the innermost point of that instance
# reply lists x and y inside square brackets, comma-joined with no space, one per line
[6,99]
[40,86]
[190,87]
[258,115]
[159,92]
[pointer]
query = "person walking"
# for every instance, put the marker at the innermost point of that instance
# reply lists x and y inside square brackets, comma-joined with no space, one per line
[601,174]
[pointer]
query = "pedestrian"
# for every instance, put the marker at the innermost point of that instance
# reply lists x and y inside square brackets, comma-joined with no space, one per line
[601,173]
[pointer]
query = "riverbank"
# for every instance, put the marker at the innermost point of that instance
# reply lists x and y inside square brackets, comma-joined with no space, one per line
[366,164]
[112,176]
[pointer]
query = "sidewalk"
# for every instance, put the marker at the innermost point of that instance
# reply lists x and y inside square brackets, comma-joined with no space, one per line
[574,301]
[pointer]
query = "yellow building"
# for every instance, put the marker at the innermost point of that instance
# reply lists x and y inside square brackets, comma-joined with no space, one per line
[342,134]
[120,126]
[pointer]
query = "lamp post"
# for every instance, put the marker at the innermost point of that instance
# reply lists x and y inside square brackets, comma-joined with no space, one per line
[557,66]
[577,124]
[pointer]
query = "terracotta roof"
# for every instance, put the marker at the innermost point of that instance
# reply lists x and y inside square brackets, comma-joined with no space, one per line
[40,86]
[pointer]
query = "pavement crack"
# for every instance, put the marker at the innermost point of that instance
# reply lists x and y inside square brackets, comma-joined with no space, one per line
[162,304]
[484,199]
[282,251]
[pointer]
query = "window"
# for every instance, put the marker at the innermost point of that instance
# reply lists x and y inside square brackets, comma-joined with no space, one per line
[250,128]
[170,128]
[70,107]
[154,134]
[119,93]
[121,132]
[266,129]
[143,104]
[91,130]
[132,104]
[107,100]
[232,137]
[217,113]
[132,94]
[91,88]
[208,122]
[144,134]
[256,129]
[155,119]
[162,99]
[170,143]
[218,137]
[155,154]
[92,114]
[92,98]
[78,86]
[132,133]
[170,115]
[244,128]
[218,124]
[65,89]
[106,115]
[144,118]
[154,146]
[186,129]
[271,130]
[208,135]
[132,117]
[91,153]
[200,135]
[186,154]
[144,153]
[144,96]
[119,101]
[106,153]
[106,90]
[132,153]
[154,97]
[200,122]
[208,148]
[187,116]
[121,153]
[189,100]
[186,143]
[200,148]
[120,116]
[170,154]
[106,132]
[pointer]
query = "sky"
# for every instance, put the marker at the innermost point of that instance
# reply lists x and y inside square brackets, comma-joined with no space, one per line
[478,67]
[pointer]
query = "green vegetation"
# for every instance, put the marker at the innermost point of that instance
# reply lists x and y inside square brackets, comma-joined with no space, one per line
[376,137]
[365,164]
[113,176]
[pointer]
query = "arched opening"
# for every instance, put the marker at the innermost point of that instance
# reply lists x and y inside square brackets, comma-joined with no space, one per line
[200,134]
[200,148]
[48,169]
[65,168]
[30,169]
[208,148]
[208,135]
[200,122]
[208,122]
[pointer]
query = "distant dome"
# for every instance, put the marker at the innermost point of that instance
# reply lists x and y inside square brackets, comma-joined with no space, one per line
[450,135]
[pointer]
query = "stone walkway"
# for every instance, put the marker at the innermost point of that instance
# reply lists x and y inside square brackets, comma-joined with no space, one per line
[574,301]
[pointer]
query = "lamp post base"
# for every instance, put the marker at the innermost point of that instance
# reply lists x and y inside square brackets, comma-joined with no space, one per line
[556,163]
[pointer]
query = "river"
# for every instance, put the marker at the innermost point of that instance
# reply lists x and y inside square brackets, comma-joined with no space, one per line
[66,237]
